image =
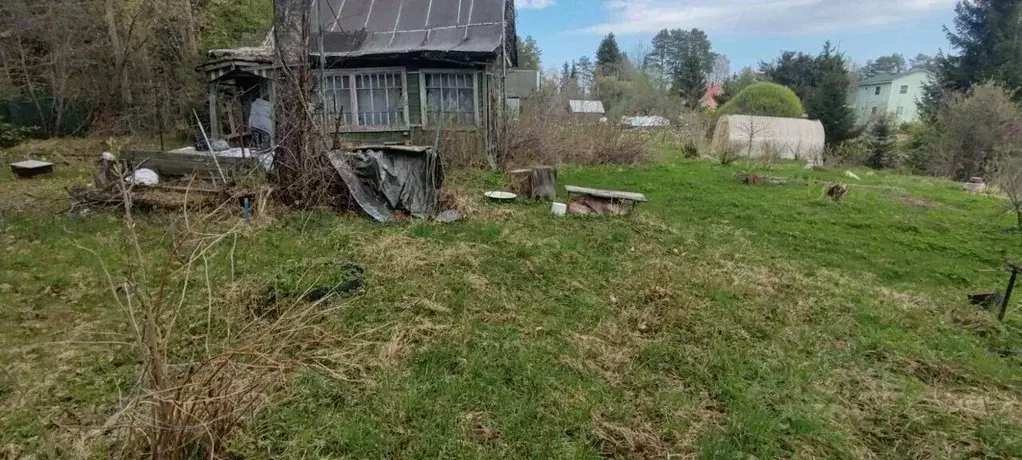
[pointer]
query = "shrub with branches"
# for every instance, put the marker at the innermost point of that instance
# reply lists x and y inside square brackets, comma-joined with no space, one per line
[973,133]
[728,156]
[854,152]
[191,397]
[543,133]
[11,135]
[1009,180]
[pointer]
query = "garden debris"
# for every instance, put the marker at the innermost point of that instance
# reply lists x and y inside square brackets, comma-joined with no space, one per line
[975,185]
[312,280]
[852,175]
[106,172]
[987,300]
[387,178]
[753,179]
[31,168]
[836,191]
[143,176]
[590,201]
[167,198]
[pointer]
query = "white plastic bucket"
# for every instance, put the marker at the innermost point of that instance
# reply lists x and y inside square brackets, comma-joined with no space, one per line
[559,209]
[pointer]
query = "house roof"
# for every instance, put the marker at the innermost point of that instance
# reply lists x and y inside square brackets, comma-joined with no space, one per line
[889,77]
[646,122]
[586,107]
[354,28]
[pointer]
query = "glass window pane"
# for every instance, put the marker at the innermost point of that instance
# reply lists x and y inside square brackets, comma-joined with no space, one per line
[451,96]
[379,99]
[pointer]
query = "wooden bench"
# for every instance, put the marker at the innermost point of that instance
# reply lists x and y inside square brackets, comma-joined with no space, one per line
[630,199]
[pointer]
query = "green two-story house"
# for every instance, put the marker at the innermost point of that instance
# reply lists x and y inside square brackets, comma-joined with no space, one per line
[894,94]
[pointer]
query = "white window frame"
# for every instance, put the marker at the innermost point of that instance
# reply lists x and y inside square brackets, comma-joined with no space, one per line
[350,73]
[475,95]
[903,89]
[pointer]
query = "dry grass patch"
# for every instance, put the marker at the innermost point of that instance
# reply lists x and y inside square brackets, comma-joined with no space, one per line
[905,300]
[607,353]
[398,256]
[635,439]
[465,201]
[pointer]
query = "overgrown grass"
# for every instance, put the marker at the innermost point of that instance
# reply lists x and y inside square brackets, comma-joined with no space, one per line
[721,321]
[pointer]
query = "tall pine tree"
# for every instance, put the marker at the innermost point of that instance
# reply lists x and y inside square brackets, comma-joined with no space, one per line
[529,54]
[658,59]
[829,104]
[828,99]
[882,144]
[690,80]
[987,36]
[608,56]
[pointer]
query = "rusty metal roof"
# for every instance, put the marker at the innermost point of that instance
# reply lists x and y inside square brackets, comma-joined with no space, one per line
[372,27]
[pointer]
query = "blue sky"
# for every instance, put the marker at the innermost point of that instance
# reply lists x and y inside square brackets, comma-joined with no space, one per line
[747,31]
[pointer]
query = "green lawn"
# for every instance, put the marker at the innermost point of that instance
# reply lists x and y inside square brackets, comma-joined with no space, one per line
[721,321]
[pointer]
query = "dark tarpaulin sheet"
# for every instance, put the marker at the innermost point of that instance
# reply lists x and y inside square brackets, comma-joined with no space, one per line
[383,179]
[369,27]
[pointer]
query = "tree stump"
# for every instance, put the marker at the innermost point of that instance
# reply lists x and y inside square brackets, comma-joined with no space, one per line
[539,183]
[543,183]
[519,182]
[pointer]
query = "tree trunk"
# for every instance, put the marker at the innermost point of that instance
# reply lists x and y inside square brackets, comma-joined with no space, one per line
[299,172]
[189,32]
[518,181]
[118,86]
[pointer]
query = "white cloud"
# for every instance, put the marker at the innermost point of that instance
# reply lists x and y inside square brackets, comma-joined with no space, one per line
[776,17]
[533,4]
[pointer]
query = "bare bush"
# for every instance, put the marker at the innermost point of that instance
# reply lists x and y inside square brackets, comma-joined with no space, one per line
[728,155]
[690,150]
[769,155]
[752,131]
[848,153]
[544,134]
[1009,180]
[974,132]
[692,128]
[191,396]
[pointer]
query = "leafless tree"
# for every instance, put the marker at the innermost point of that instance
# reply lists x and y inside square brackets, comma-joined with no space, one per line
[721,69]
[975,131]
[1009,180]
[752,131]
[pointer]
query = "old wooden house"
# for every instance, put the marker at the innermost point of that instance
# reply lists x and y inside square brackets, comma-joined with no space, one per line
[389,70]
